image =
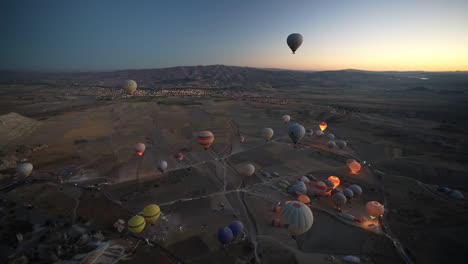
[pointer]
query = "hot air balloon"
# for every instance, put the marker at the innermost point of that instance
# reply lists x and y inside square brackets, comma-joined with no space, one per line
[248,169]
[319,133]
[205,138]
[319,188]
[353,166]
[286,119]
[303,199]
[330,136]
[356,189]
[297,217]
[456,194]
[341,144]
[331,144]
[236,228]
[179,156]
[24,169]
[162,165]
[129,86]
[304,179]
[339,200]
[266,133]
[323,126]
[296,132]
[151,213]
[374,209]
[348,193]
[140,148]
[136,224]
[241,139]
[225,235]
[336,191]
[309,132]
[329,184]
[335,180]
[299,188]
[294,41]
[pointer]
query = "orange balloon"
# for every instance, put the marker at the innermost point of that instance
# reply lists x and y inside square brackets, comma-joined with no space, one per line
[205,138]
[336,181]
[354,166]
[374,209]
[323,126]
[303,199]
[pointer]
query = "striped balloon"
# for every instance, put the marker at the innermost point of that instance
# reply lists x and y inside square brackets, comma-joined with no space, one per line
[297,217]
[205,138]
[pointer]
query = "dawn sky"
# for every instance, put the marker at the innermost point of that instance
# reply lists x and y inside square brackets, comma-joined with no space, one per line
[338,34]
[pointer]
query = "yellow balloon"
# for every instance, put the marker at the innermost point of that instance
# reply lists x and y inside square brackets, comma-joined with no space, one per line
[136,224]
[151,213]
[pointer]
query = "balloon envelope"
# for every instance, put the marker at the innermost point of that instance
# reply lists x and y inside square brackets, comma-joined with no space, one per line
[179,156]
[130,86]
[294,41]
[296,132]
[303,199]
[374,209]
[297,216]
[225,235]
[266,133]
[341,144]
[151,213]
[348,193]
[205,139]
[357,190]
[136,224]
[300,188]
[335,180]
[330,136]
[339,200]
[236,227]
[162,165]
[24,169]
[248,169]
[331,144]
[323,126]
[286,118]
[319,133]
[140,148]
[309,132]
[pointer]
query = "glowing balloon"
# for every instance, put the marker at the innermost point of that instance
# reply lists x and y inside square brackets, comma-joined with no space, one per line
[140,148]
[297,217]
[130,86]
[286,119]
[374,209]
[335,180]
[205,139]
[353,166]
[24,169]
[303,199]
[323,126]
[294,41]
[266,133]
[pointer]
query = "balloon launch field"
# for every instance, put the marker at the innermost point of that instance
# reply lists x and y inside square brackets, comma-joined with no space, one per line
[88,174]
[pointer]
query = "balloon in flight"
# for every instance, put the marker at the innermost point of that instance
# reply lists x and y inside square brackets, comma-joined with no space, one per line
[286,119]
[348,193]
[129,86]
[339,200]
[331,144]
[205,139]
[335,180]
[319,133]
[162,165]
[179,156]
[357,190]
[267,133]
[294,41]
[341,144]
[309,132]
[353,166]
[296,132]
[297,216]
[303,199]
[323,126]
[330,136]
[24,169]
[140,148]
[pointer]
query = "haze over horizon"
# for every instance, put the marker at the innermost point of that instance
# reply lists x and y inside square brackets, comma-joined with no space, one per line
[112,35]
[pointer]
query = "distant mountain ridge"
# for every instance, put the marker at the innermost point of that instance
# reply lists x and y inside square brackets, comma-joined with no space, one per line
[211,76]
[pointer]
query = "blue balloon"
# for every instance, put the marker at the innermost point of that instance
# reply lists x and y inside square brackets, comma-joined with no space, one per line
[225,235]
[236,227]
